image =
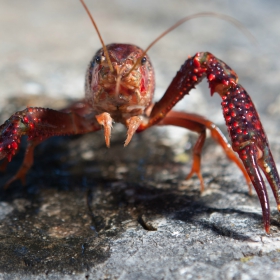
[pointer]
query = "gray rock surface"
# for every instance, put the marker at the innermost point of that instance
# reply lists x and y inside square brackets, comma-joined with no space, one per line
[88,212]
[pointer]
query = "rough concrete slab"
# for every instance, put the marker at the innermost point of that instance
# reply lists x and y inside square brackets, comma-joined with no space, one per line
[88,212]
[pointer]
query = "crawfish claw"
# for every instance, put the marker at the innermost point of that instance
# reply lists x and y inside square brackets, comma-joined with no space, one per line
[242,119]
[249,155]
[268,167]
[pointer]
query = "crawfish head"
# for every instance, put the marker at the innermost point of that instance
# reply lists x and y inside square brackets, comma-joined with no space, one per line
[121,95]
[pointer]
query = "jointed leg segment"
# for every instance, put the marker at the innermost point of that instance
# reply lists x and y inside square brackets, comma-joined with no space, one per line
[199,124]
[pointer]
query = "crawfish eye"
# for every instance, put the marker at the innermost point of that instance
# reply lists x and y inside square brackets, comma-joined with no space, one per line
[143,60]
[98,59]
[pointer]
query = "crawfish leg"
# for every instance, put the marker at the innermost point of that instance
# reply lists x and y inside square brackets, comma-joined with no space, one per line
[25,166]
[39,124]
[199,124]
[181,119]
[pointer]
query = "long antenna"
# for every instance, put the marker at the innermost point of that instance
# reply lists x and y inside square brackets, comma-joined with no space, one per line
[227,18]
[99,35]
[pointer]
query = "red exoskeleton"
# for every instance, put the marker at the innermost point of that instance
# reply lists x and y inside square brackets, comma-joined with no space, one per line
[119,88]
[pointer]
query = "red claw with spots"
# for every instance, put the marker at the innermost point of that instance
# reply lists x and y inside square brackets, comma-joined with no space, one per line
[244,126]
[119,87]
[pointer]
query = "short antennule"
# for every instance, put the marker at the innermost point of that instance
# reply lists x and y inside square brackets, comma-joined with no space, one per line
[99,35]
[227,18]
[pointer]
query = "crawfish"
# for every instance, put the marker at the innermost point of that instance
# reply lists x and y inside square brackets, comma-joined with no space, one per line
[119,87]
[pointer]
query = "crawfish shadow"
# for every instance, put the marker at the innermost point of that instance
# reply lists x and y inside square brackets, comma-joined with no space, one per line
[171,202]
[165,202]
[50,171]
